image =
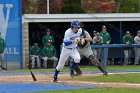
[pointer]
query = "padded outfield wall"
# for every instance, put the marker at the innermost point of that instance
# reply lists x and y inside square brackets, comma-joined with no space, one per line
[10,28]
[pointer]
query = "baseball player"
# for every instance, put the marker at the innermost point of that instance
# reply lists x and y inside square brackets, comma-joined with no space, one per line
[97,40]
[137,50]
[71,38]
[2,47]
[34,54]
[49,53]
[106,38]
[127,39]
[84,49]
[47,37]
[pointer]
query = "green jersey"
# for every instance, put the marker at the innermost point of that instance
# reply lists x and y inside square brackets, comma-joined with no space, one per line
[46,38]
[2,45]
[34,50]
[127,39]
[106,37]
[49,51]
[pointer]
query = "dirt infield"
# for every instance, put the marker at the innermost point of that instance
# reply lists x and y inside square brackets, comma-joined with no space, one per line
[64,79]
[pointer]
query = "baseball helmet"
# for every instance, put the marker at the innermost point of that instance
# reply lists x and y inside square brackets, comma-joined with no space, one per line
[75,24]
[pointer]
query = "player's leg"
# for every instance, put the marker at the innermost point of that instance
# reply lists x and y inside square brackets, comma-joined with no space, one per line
[76,59]
[77,68]
[45,61]
[126,57]
[98,53]
[38,61]
[63,57]
[98,64]
[33,61]
[129,55]
[92,58]
[95,52]
[137,56]
[2,61]
[78,71]
[55,61]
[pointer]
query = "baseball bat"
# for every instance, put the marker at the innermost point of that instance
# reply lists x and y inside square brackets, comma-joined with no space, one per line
[33,76]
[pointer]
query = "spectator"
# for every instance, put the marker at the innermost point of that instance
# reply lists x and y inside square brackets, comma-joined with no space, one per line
[47,37]
[127,39]
[106,38]
[97,40]
[49,53]
[137,50]
[34,54]
[2,47]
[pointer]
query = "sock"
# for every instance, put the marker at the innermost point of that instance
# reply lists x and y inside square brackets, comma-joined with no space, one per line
[56,73]
[73,65]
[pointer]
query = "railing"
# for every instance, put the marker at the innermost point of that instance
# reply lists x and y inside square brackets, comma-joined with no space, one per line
[105,46]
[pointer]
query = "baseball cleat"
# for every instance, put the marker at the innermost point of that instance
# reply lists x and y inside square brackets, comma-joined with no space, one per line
[3,68]
[78,74]
[105,73]
[72,74]
[55,79]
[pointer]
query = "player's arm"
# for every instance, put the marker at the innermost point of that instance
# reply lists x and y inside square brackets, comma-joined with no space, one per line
[101,40]
[67,39]
[124,41]
[88,39]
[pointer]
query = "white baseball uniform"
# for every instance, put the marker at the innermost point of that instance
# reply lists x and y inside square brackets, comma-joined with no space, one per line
[69,49]
[137,50]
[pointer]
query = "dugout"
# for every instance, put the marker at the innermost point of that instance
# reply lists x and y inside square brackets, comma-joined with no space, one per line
[34,26]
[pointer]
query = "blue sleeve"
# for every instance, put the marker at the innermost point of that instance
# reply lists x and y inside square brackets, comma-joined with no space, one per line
[81,34]
[68,43]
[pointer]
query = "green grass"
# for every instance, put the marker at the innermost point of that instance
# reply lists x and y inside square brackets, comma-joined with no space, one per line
[84,68]
[129,78]
[98,90]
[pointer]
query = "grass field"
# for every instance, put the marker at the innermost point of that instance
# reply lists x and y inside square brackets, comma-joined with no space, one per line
[128,78]
[83,68]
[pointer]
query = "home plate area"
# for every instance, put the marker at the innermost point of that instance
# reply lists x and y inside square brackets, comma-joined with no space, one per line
[22,82]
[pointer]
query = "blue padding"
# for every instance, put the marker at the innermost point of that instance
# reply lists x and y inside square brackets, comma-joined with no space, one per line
[23,88]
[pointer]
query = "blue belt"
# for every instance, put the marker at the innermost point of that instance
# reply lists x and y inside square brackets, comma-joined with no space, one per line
[70,48]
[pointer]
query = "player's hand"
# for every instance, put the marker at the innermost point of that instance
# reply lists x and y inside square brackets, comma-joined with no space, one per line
[127,43]
[82,41]
[107,42]
[76,40]
[138,43]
